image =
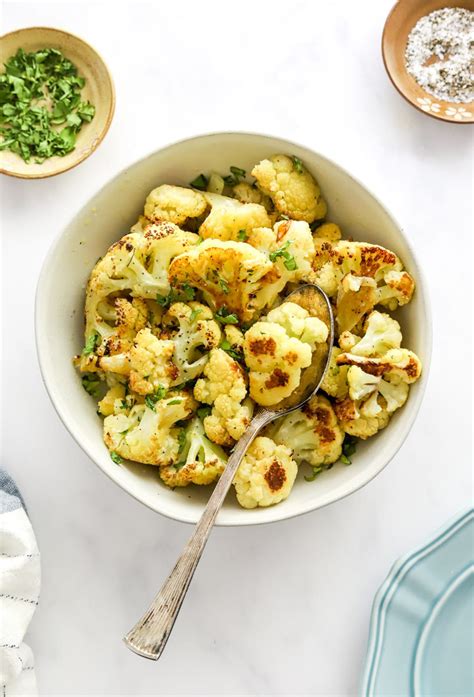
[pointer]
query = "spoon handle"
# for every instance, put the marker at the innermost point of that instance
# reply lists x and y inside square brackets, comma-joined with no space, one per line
[149,636]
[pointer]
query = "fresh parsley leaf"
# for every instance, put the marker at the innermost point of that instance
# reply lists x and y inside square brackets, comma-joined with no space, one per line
[297,164]
[202,412]
[116,457]
[223,285]
[348,449]
[91,344]
[184,294]
[174,401]
[225,316]
[316,471]
[226,346]
[152,399]
[188,292]
[200,182]
[181,440]
[91,384]
[237,171]
[242,236]
[195,314]
[288,260]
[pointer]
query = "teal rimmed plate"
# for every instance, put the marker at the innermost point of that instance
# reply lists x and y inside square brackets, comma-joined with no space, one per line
[422,626]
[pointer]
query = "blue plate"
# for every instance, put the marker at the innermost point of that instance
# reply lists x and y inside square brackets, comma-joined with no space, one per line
[422,625]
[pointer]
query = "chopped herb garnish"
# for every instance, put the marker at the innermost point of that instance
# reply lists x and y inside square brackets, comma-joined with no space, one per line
[226,346]
[200,182]
[91,384]
[316,471]
[116,457]
[195,314]
[225,316]
[202,412]
[181,440]
[236,174]
[91,344]
[242,236]
[40,91]
[288,260]
[124,404]
[184,294]
[297,164]
[174,401]
[348,449]
[223,285]
[152,399]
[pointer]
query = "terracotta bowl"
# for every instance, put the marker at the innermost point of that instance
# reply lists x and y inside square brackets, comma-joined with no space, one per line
[99,90]
[399,24]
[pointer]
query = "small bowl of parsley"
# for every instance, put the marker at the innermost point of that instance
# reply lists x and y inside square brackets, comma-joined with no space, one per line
[57,101]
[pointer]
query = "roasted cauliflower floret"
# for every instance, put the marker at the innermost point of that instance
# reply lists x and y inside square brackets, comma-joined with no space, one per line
[151,363]
[248,193]
[148,433]
[356,296]
[355,424]
[328,231]
[224,388]
[335,381]
[266,475]
[232,220]
[194,333]
[291,187]
[275,361]
[293,250]
[298,323]
[200,461]
[231,275]
[174,204]
[397,363]
[312,432]
[398,289]
[382,333]
[107,404]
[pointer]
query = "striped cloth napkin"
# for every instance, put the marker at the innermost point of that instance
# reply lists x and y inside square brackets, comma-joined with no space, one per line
[19,592]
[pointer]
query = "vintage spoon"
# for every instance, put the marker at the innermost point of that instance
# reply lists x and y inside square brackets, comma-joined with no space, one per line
[149,636]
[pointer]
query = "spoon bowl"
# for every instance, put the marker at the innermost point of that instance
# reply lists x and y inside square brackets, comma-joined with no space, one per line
[149,636]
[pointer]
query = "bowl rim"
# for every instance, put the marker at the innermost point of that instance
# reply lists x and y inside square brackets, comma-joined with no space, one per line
[61,169]
[437,116]
[41,339]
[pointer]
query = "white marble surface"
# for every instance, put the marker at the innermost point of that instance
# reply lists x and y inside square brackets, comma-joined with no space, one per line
[282,609]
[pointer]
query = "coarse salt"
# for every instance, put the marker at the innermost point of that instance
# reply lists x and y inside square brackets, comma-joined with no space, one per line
[440,54]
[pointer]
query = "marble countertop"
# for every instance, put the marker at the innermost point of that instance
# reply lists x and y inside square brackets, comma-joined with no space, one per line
[281,609]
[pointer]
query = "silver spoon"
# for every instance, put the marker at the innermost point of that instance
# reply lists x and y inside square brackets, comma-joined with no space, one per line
[149,636]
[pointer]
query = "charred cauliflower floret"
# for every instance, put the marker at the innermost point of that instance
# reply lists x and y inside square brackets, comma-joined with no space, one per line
[174,204]
[298,323]
[148,433]
[291,187]
[266,475]
[200,461]
[312,432]
[381,333]
[275,361]
[248,193]
[328,231]
[395,363]
[355,424]
[293,250]
[194,333]
[356,296]
[151,363]
[335,382]
[224,388]
[230,219]
[397,290]
[233,276]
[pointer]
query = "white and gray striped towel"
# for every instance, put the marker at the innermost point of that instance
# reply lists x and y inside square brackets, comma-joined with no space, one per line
[19,592]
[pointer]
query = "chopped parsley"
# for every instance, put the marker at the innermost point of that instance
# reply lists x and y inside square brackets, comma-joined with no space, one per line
[91,384]
[91,344]
[225,316]
[195,314]
[223,285]
[316,471]
[242,236]
[40,92]
[202,412]
[181,440]
[348,449]
[200,182]
[174,401]
[116,457]
[236,174]
[288,259]
[234,353]
[152,399]
[297,164]
[184,294]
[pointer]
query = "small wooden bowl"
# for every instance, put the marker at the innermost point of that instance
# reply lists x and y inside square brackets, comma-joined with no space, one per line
[401,20]
[99,90]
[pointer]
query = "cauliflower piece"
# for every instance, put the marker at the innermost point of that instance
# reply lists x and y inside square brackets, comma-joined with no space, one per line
[201,462]
[400,364]
[335,260]
[297,322]
[247,193]
[293,237]
[266,475]
[151,363]
[194,332]
[356,296]
[291,187]
[312,432]
[232,220]
[275,361]
[231,275]
[234,337]
[355,424]
[382,333]
[262,238]
[328,231]
[347,341]
[398,289]
[174,204]
[224,387]
[335,381]
[107,406]
[361,384]
[148,434]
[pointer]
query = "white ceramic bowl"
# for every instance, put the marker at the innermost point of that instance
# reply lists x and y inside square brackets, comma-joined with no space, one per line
[108,216]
